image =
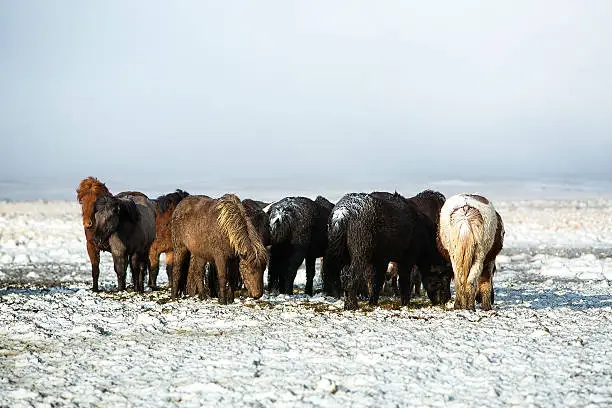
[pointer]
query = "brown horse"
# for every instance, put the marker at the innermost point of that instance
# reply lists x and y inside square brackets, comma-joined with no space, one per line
[259,219]
[89,190]
[164,207]
[216,230]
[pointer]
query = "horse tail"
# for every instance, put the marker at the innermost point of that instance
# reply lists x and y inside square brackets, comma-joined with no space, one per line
[466,224]
[280,227]
[243,237]
[336,252]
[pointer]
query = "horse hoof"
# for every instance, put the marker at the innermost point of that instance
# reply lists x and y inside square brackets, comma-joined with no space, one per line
[350,305]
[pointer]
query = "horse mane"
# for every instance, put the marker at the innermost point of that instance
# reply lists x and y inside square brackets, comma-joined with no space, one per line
[324,202]
[429,195]
[127,207]
[242,235]
[129,210]
[93,186]
[164,202]
[125,194]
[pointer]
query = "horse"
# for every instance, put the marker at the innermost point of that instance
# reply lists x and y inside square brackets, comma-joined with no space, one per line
[216,230]
[429,203]
[298,231]
[127,224]
[470,235]
[259,219]
[164,207]
[88,191]
[366,232]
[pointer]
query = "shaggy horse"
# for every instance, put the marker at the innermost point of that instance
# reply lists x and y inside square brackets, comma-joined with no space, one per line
[298,231]
[216,230]
[470,235]
[366,232]
[164,207]
[88,192]
[127,224]
[259,219]
[429,203]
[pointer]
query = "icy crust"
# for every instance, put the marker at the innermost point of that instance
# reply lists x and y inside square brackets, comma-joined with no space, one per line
[546,343]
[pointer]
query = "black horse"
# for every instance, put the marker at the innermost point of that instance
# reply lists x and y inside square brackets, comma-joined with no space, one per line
[297,231]
[437,279]
[127,223]
[366,232]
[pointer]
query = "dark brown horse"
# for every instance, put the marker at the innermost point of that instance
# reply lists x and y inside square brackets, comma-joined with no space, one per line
[164,207]
[216,230]
[127,224]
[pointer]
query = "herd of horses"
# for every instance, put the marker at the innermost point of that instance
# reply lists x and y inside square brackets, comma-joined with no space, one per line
[214,247]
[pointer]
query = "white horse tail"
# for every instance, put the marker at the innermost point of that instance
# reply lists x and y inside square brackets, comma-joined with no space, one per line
[466,225]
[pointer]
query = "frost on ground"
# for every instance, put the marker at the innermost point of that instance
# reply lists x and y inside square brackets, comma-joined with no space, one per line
[546,343]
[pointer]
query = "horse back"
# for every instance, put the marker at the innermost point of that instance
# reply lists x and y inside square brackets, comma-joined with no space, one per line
[194,225]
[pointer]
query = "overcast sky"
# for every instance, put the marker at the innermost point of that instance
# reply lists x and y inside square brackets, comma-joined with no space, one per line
[346,89]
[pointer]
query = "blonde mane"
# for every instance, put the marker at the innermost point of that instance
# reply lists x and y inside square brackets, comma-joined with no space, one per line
[242,235]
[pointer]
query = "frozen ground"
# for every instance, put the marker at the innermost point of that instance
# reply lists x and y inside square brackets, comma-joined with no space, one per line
[548,341]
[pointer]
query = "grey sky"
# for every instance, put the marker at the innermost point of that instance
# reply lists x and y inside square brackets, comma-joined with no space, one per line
[256,89]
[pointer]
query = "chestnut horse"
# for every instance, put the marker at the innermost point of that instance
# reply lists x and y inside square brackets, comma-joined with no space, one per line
[88,192]
[216,230]
[470,235]
[164,207]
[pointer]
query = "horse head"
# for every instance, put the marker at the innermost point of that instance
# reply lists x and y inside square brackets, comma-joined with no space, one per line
[252,267]
[106,216]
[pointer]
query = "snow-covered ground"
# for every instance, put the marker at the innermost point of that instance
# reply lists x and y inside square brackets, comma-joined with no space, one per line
[547,342]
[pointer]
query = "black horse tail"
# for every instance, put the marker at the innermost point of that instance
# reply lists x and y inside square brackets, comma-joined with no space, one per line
[279,221]
[336,255]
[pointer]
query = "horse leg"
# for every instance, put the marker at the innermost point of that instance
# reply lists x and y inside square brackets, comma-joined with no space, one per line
[485,286]
[377,272]
[120,262]
[94,258]
[134,268]
[211,280]
[416,280]
[395,287]
[472,283]
[233,277]
[404,272]
[330,274]
[296,258]
[134,262]
[153,265]
[222,276]
[310,274]
[180,257]
[275,265]
[195,277]
[169,264]
[349,284]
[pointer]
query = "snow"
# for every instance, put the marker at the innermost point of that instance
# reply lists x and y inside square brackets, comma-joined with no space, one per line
[547,341]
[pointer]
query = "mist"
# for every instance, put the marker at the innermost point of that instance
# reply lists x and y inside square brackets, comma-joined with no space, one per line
[304,92]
